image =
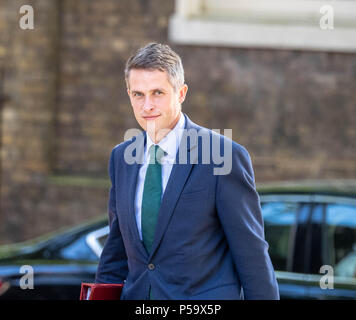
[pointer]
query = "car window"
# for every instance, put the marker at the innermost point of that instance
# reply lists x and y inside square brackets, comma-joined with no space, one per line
[102,240]
[279,219]
[314,255]
[77,250]
[96,240]
[341,237]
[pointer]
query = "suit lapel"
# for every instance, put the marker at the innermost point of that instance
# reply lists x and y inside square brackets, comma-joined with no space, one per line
[132,171]
[175,185]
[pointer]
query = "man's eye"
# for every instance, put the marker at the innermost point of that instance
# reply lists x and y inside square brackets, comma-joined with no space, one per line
[158,93]
[137,94]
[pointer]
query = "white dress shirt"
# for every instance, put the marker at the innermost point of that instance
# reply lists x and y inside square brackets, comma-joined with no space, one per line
[169,144]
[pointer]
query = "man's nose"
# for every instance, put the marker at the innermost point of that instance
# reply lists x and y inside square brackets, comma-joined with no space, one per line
[148,104]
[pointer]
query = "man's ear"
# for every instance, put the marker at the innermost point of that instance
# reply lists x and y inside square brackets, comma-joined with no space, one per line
[182,93]
[128,91]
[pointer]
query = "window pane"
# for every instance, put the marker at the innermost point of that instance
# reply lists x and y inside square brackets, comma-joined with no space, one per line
[77,250]
[279,218]
[341,232]
[102,240]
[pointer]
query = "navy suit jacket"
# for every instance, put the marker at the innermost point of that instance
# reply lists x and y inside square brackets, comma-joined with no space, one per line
[209,241]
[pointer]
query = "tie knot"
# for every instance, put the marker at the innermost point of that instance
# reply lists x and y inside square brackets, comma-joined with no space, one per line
[156,154]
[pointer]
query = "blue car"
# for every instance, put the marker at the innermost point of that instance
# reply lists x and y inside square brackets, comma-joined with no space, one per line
[310,228]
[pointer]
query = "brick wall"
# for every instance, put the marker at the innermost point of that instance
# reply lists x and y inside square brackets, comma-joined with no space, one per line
[27,116]
[67,106]
[97,39]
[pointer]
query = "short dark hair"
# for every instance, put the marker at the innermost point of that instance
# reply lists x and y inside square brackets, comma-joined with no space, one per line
[156,56]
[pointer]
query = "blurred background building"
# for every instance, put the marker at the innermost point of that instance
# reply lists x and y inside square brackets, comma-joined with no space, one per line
[280,74]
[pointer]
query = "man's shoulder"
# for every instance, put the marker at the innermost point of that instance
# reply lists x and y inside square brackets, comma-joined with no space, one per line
[121,147]
[221,138]
[216,147]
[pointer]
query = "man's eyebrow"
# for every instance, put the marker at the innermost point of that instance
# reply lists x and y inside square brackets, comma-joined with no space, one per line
[158,89]
[152,90]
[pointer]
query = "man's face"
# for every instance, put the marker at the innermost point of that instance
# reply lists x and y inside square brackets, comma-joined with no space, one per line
[155,103]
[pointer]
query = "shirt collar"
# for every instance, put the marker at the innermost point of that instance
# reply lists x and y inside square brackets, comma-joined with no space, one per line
[170,143]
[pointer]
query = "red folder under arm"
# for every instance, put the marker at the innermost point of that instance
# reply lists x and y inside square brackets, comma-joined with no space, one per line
[100,291]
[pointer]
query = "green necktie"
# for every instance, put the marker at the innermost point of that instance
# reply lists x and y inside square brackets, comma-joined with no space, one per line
[151,199]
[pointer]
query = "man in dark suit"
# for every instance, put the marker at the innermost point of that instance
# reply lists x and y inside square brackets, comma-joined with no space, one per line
[185,218]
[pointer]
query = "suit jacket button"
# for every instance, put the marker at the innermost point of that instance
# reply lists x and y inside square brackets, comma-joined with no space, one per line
[151,266]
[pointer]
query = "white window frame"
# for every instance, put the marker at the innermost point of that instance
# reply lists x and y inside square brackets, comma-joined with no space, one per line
[92,240]
[278,24]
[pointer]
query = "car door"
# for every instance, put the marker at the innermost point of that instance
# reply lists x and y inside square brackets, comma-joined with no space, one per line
[286,221]
[334,231]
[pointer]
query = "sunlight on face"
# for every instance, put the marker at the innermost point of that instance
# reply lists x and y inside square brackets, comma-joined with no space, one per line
[155,103]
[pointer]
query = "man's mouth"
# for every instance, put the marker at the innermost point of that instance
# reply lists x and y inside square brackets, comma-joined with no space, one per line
[151,117]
